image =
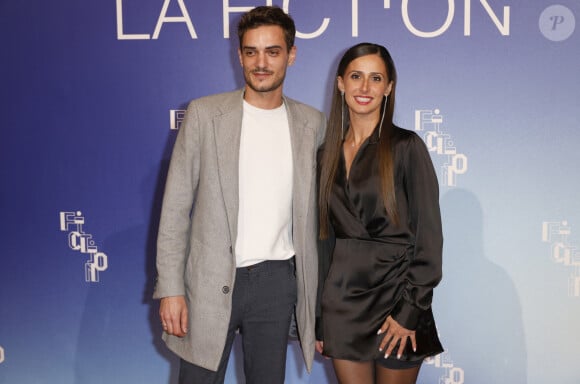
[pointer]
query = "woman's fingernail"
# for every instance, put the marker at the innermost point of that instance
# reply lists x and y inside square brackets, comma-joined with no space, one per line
[399,356]
[379,331]
[386,355]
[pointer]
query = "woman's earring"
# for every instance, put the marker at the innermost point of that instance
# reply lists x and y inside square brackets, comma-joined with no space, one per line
[342,114]
[383,116]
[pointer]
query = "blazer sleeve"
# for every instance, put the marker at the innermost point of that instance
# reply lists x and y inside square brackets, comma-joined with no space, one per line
[425,267]
[324,248]
[178,200]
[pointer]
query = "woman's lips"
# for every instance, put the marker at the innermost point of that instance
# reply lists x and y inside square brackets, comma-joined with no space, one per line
[363,100]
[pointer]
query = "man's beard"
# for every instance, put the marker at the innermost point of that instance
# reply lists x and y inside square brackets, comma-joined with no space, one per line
[266,87]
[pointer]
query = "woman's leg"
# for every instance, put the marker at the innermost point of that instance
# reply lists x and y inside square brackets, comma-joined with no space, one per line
[354,372]
[396,376]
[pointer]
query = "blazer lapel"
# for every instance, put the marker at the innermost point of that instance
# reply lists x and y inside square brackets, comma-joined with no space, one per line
[227,128]
[303,141]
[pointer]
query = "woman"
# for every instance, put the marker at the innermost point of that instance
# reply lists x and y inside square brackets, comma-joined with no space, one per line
[379,198]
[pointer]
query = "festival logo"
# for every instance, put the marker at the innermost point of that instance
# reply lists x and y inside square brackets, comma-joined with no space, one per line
[80,241]
[454,163]
[562,251]
[176,117]
[453,374]
[498,15]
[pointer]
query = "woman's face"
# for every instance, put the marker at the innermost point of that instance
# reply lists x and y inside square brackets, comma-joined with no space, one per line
[364,84]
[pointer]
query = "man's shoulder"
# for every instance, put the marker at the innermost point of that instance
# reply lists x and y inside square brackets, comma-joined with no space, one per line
[301,105]
[218,101]
[303,109]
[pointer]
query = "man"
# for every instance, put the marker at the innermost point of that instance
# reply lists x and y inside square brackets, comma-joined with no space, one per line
[237,237]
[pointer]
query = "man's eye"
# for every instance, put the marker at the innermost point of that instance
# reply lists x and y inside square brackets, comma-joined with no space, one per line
[377,78]
[355,76]
[274,53]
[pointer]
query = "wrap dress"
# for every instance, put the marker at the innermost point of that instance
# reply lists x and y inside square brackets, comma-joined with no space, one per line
[376,268]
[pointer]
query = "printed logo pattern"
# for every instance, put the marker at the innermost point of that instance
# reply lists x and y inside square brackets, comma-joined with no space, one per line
[176,117]
[453,375]
[78,240]
[563,252]
[430,122]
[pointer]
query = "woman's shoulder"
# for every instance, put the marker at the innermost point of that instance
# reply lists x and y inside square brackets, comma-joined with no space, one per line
[403,132]
[405,136]
[408,144]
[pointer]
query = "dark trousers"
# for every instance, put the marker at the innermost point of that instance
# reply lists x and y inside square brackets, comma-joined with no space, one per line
[263,302]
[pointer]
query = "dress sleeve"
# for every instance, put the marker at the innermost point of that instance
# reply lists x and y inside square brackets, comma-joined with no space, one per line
[425,266]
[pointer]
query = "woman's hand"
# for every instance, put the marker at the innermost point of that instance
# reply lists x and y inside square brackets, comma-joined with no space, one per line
[394,333]
[319,346]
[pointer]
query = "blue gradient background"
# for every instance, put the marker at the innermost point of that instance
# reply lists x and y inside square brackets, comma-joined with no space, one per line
[85,127]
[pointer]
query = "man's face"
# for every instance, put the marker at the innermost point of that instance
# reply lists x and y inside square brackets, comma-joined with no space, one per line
[264,58]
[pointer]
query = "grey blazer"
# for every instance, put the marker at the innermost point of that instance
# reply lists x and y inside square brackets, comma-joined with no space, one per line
[198,226]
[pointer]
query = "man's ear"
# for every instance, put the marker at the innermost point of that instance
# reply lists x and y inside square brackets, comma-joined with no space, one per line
[240,57]
[292,55]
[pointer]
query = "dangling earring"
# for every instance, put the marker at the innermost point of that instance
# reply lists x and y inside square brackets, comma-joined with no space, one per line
[342,114]
[383,116]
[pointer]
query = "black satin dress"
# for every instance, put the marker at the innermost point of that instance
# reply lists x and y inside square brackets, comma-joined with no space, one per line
[378,269]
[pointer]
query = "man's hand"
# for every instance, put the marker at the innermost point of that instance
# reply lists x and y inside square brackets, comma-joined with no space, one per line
[173,313]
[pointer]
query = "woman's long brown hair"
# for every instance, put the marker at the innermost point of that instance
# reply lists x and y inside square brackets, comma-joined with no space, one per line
[334,137]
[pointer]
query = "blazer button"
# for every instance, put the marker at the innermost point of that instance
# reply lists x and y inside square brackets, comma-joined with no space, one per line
[226,289]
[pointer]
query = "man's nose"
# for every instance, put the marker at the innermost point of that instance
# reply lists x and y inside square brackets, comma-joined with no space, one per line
[261,59]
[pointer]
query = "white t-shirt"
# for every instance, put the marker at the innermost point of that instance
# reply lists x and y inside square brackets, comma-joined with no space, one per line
[265,187]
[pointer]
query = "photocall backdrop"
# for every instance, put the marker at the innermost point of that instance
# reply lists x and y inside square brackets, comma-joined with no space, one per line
[93,94]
